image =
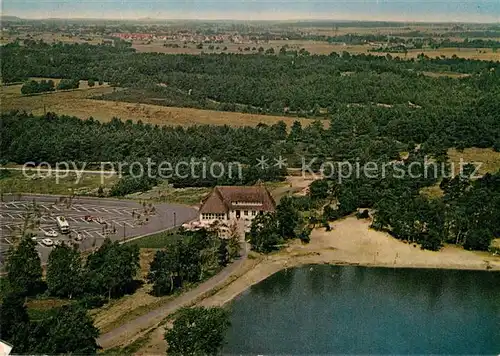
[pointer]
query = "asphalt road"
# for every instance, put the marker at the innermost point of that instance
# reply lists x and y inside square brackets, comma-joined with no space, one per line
[123,219]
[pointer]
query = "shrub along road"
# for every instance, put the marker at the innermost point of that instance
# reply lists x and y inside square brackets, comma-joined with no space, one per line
[129,330]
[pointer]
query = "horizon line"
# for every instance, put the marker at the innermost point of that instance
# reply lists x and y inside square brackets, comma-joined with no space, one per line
[304,19]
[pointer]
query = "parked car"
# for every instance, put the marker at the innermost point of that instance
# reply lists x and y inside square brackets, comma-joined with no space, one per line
[51,233]
[48,242]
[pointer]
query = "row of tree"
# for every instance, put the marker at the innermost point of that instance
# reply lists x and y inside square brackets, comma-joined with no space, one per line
[33,87]
[108,272]
[269,231]
[192,258]
[66,330]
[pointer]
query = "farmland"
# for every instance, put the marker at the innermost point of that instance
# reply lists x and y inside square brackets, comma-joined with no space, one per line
[314,47]
[185,38]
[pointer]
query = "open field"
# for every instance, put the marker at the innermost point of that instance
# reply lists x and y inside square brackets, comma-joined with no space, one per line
[314,47]
[86,184]
[487,158]
[50,37]
[79,103]
[163,192]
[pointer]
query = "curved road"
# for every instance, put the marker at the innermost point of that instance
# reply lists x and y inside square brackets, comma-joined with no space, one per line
[131,328]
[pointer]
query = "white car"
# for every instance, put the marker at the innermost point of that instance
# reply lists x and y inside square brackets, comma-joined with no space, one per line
[51,233]
[48,242]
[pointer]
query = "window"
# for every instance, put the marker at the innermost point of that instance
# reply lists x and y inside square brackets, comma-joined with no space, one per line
[245,212]
[254,213]
[213,216]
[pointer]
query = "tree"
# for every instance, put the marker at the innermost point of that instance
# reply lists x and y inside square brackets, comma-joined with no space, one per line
[223,253]
[233,242]
[24,270]
[112,268]
[69,331]
[319,189]
[264,234]
[478,239]
[68,84]
[162,271]
[288,217]
[13,315]
[91,82]
[269,50]
[64,272]
[198,331]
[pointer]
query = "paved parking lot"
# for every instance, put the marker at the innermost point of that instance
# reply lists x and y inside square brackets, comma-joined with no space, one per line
[92,219]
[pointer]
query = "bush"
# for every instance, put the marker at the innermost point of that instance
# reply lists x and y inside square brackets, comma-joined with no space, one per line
[129,185]
[33,87]
[363,214]
[92,301]
[68,84]
[305,235]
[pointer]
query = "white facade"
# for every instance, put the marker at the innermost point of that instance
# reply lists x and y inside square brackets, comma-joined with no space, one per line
[245,214]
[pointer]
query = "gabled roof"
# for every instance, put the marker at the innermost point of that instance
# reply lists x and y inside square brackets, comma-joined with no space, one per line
[222,198]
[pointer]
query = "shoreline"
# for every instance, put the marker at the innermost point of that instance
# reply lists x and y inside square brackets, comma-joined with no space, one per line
[268,267]
[350,243]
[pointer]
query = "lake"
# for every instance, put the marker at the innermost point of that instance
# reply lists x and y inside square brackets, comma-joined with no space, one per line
[324,309]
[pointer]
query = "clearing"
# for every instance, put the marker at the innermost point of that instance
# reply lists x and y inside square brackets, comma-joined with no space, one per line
[488,159]
[80,103]
[87,184]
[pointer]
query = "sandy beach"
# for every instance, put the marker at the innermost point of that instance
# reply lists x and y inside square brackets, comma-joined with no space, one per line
[351,242]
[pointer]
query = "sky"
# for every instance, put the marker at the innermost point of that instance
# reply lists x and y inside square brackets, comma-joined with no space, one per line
[366,10]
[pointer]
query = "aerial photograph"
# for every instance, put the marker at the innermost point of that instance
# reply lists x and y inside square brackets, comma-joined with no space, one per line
[250,177]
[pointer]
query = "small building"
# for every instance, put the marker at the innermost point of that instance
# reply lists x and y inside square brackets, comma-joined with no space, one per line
[236,203]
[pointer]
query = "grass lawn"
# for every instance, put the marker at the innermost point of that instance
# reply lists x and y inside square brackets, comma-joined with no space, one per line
[156,241]
[164,193]
[39,309]
[16,182]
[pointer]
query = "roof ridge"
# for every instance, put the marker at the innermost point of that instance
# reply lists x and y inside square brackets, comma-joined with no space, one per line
[221,197]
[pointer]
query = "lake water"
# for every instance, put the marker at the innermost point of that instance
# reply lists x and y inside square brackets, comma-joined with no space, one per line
[357,310]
